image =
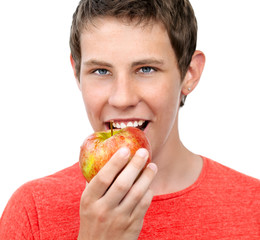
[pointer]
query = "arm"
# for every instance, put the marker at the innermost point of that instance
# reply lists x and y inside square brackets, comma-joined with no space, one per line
[114,203]
[19,218]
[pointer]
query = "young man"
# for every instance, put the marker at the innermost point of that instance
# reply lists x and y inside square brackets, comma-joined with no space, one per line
[136,61]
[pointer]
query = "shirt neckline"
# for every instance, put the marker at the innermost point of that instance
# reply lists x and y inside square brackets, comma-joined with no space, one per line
[188,189]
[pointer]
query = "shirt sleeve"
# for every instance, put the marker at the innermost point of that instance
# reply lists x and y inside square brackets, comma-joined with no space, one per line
[19,219]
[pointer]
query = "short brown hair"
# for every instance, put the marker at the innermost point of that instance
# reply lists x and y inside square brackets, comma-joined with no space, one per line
[176,15]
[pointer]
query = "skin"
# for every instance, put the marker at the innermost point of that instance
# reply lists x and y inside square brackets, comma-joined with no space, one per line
[130,72]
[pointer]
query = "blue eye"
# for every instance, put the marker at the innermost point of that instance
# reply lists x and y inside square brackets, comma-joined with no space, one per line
[146,69]
[101,71]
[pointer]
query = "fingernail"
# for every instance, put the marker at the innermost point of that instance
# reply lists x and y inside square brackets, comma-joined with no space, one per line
[124,152]
[153,167]
[142,152]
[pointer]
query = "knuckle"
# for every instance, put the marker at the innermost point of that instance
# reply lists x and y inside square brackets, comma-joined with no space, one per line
[137,195]
[149,174]
[118,221]
[116,162]
[102,180]
[121,186]
[136,224]
[102,215]
[86,211]
[85,200]
[121,220]
[138,162]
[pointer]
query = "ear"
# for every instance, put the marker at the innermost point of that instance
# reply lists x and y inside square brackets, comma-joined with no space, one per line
[74,71]
[194,72]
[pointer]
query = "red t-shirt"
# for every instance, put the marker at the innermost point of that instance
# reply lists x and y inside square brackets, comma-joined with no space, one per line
[221,204]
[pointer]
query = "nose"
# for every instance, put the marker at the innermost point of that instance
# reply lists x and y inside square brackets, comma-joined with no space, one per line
[124,93]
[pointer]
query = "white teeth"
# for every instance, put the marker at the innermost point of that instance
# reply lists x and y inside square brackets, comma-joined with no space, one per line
[128,124]
[140,123]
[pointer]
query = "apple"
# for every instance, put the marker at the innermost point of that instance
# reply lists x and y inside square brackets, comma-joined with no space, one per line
[99,147]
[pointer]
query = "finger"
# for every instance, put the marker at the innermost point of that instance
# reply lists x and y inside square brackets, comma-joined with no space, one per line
[101,182]
[135,196]
[127,177]
[141,208]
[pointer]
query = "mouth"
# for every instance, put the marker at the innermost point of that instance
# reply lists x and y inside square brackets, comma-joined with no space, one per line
[120,124]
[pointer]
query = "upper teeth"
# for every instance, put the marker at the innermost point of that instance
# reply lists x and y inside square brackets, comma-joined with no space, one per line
[128,124]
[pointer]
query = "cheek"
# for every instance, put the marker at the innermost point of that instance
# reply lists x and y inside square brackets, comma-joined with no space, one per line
[93,100]
[166,110]
[166,106]
[164,97]
[87,96]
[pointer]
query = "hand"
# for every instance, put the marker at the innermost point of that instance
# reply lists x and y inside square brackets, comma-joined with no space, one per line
[114,203]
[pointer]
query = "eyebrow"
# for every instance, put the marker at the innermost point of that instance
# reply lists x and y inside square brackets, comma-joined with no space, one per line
[94,62]
[148,61]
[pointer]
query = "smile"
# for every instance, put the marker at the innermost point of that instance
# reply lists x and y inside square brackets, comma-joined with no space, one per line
[120,124]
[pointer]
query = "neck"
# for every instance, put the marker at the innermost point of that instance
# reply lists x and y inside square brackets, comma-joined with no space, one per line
[178,168]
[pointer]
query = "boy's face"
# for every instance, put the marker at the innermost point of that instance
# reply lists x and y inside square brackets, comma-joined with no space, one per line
[129,74]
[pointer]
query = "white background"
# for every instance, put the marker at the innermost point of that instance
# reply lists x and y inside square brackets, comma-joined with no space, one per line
[42,117]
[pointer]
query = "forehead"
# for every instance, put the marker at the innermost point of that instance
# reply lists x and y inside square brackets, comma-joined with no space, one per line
[109,29]
[106,23]
[114,40]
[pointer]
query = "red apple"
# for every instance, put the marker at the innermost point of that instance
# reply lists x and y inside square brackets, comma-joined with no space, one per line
[99,147]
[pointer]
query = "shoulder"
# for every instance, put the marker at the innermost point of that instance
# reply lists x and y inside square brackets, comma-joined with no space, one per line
[230,175]
[231,182]
[60,181]
[56,187]
[233,194]
[42,200]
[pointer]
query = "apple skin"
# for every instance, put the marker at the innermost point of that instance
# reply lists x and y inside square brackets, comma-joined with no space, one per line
[99,147]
